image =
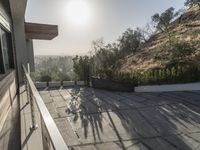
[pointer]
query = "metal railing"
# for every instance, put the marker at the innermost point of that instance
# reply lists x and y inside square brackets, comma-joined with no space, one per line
[52,138]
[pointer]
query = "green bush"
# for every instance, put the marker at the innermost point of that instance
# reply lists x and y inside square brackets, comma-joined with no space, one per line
[45,78]
[170,75]
[180,51]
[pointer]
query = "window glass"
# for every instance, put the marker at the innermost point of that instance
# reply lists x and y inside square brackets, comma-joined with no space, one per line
[5,49]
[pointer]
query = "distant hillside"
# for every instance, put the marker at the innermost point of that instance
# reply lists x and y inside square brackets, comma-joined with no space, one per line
[56,68]
[185,28]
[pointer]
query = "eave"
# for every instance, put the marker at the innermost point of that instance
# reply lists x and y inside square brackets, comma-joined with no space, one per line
[40,31]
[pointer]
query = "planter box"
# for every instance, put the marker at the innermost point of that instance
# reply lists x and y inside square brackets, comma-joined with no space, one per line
[112,85]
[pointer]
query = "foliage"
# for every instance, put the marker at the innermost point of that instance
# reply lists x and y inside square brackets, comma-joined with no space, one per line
[45,78]
[163,20]
[104,58]
[82,66]
[146,32]
[177,70]
[181,50]
[192,3]
[57,68]
[130,41]
[169,75]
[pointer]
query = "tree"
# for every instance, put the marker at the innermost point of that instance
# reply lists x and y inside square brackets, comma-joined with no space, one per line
[147,31]
[162,21]
[82,67]
[97,45]
[77,67]
[181,50]
[104,56]
[129,41]
[192,3]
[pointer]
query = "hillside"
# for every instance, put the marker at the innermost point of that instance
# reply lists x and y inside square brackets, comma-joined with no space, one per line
[185,28]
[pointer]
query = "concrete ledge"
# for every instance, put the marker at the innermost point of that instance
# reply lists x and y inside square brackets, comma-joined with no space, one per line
[68,83]
[169,88]
[81,83]
[54,84]
[40,84]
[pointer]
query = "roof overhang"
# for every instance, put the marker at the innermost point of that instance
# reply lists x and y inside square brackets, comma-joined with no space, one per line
[40,31]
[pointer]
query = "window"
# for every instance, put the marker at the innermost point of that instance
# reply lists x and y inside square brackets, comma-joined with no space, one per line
[6,53]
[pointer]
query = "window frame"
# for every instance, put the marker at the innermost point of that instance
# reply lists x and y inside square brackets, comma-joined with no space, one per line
[10,52]
[2,67]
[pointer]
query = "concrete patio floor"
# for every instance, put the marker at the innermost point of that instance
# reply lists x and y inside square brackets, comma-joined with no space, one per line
[91,119]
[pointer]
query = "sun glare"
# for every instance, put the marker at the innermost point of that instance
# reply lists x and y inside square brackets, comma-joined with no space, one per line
[78,12]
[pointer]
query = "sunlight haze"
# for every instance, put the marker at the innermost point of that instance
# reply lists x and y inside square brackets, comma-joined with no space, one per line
[82,21]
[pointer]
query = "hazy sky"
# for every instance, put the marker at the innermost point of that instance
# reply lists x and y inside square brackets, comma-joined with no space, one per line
[105,18]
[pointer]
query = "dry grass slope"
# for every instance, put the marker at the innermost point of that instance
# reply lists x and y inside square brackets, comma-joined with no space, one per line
[185,28]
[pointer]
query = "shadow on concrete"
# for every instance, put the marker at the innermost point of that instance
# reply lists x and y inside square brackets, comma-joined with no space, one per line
[153,126]
[147,121]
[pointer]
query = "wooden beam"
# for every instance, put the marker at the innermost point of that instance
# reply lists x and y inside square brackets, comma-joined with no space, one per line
[40,31]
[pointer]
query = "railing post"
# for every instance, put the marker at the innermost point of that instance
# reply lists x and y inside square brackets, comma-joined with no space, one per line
[34,125]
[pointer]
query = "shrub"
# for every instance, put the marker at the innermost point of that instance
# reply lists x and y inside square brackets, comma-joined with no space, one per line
[45,78]
[169,75]
[180,51]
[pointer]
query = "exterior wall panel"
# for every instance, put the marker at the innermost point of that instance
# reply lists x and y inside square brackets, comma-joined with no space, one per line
[7,96]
